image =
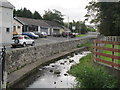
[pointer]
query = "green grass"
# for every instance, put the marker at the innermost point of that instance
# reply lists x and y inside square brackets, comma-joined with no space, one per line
[88,44]
[89,75]
[110,52]
[81,35]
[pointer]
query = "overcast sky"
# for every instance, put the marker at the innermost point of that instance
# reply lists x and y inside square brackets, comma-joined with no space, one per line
[74,9]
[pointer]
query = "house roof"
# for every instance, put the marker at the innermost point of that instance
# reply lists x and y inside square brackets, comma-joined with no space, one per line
[6,4]
[28,21]
[53,24]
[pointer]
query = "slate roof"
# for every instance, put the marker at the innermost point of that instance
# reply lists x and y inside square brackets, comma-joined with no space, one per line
[6,4]
[53,24]
[28,21]
[37,22]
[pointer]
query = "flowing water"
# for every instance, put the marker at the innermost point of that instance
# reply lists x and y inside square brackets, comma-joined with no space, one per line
[54,75]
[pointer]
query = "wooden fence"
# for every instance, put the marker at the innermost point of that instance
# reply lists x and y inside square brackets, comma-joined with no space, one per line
[100,47]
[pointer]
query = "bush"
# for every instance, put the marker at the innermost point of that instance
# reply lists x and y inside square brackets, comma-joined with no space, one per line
[91,30]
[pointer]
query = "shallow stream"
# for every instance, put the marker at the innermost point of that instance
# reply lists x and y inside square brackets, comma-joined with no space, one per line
[54,75]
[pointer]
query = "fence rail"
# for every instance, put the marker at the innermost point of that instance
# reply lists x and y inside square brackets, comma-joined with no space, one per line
[102,52]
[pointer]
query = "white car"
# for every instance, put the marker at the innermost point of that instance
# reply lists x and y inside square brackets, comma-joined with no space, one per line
[43,34]
[22,40]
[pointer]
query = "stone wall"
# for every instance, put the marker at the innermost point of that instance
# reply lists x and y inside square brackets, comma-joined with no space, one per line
[18,58]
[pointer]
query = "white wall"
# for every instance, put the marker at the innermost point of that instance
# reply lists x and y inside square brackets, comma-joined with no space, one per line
[7,22]
[0,26]
[16,24]
[48,31]
[39,29]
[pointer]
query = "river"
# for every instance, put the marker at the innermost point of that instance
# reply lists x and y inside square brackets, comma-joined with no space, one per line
[54,75]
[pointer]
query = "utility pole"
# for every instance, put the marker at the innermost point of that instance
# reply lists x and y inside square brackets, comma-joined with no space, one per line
[68,21]
[68,28]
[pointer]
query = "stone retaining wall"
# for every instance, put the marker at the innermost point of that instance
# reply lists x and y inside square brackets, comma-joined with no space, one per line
[18,58]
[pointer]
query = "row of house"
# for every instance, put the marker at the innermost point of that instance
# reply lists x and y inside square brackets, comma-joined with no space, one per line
[17,25]
[21,24]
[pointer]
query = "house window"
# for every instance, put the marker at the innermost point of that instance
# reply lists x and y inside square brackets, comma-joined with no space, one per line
[14,28]
[7,30]
[18,27]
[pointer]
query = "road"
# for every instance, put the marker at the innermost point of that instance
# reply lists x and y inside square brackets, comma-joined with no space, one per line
[51,39]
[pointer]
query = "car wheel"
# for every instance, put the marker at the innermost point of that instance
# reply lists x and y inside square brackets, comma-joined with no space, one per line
[24,44]
[33,43]
[13,46]
[16,41]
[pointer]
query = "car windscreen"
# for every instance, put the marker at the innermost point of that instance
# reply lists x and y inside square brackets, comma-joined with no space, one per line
[15,38]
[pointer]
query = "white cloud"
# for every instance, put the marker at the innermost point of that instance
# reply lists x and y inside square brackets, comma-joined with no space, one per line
[75,9]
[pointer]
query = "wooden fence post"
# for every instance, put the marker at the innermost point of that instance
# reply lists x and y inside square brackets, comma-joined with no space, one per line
[95,50]
[113,53]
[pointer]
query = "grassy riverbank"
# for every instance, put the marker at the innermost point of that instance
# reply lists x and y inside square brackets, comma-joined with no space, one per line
[90,75]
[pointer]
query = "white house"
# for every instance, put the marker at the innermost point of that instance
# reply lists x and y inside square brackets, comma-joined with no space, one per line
[17,27]
[6,22]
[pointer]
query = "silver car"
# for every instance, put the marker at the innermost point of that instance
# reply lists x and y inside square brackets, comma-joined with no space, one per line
[22,40]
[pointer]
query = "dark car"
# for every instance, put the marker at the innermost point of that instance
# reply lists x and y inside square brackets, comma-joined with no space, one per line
[31,35]
[57,35]
[68,34]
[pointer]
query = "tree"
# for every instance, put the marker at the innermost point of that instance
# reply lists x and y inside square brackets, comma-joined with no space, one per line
[80,27]
[36,15]
[106,15]
[22,13]
[54,15]
[26,13]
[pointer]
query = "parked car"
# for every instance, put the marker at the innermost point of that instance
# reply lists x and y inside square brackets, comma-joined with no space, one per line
[56,35]
[22,40]
[75,33]
[68,34]
[31,35]
[37,33]
[43,34]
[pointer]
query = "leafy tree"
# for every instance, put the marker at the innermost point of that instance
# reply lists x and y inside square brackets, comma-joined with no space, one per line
[17,13]
[83,28]
[53,15]
[36,15]
[106,15]
[22,13]
[90,29]
[29,14]
[26,13]
[80,27]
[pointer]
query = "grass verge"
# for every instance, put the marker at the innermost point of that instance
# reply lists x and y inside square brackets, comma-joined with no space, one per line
[81,35]
[87,44]
[89,75]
